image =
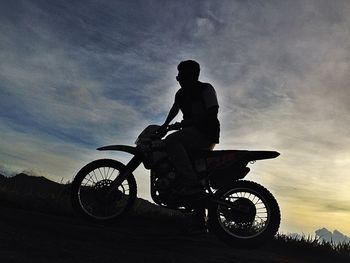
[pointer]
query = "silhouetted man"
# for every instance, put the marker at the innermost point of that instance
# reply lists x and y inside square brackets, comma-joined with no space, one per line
[199,106]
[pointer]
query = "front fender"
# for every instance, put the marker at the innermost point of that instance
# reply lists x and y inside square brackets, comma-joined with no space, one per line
[122,148]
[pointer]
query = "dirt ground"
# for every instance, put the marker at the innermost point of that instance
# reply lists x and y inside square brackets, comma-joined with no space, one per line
[28,236]
[148,235]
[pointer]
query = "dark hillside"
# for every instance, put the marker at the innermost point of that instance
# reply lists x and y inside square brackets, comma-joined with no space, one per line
[37,224]
[41,194]
[27,184]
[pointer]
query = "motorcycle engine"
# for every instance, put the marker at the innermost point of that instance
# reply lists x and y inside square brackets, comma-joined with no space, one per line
[164,175]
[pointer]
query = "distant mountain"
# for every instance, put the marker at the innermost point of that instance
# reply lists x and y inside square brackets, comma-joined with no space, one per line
[335,237]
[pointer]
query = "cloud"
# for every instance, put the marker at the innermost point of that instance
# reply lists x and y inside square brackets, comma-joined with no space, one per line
[81,75]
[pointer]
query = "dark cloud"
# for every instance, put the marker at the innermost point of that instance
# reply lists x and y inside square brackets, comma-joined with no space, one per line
[336,206]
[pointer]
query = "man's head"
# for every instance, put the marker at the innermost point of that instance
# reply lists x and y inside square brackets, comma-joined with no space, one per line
[188,73]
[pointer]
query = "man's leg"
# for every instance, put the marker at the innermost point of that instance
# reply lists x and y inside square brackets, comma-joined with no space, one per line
[177,145]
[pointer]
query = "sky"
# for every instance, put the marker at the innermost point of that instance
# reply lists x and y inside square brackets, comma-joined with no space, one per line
[77,75]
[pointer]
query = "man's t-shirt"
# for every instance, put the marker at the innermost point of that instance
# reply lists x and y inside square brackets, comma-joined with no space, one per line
[194,105]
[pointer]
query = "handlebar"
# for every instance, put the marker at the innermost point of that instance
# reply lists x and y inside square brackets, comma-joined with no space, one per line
[174,126]
[171,127]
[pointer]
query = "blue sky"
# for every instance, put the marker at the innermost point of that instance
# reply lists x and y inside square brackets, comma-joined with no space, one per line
[76,75]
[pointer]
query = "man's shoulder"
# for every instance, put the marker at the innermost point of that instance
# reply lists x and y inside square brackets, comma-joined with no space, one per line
[206,86]
[209,95]
[179,92]
[179,96]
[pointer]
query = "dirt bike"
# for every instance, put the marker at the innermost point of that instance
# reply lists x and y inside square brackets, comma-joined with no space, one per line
[242,213]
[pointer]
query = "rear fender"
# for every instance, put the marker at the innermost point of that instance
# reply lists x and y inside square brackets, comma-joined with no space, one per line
[260,155]
[123,148]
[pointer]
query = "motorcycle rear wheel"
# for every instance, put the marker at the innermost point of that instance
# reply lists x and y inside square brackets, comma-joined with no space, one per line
[257,221]
[89,188]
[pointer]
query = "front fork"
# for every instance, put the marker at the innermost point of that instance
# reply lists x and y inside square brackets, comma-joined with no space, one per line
[129,168]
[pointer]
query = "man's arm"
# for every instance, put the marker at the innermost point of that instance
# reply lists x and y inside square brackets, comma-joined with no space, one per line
[211,107]
[172,114]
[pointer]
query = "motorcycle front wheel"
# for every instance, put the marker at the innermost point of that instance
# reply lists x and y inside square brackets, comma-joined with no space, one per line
[254,218]
[90,195]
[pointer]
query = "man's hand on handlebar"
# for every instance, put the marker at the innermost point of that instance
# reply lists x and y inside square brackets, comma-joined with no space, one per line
[175,126]
[163,129]
[186,123]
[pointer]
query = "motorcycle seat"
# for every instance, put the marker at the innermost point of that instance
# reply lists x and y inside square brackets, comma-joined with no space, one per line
[210,147]
[238,155]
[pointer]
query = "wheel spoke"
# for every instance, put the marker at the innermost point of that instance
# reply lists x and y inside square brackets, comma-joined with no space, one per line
[88,180]
[110,176]
[104,173]
[95,176]
[100,173]
[259,202]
